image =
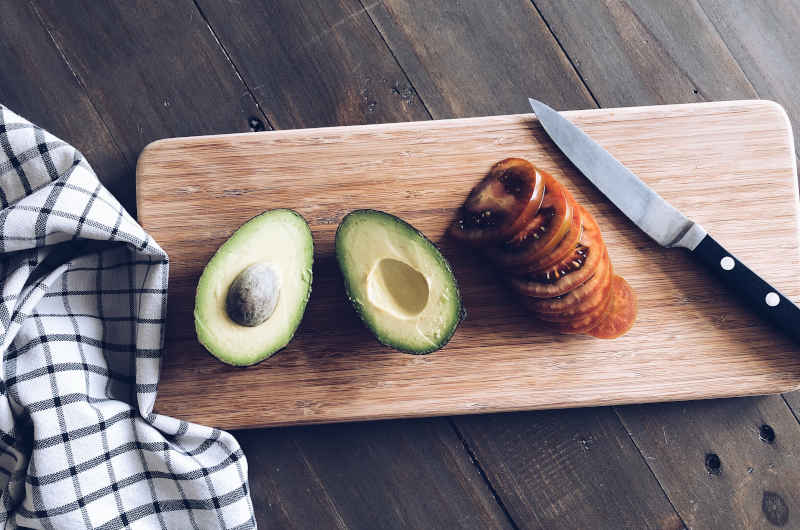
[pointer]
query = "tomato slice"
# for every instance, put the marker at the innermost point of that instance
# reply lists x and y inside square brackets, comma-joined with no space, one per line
[563,250]
[623,312]
[542,233]
[585,322]
[579,301]
[572,271]
[590,304]
[501,204]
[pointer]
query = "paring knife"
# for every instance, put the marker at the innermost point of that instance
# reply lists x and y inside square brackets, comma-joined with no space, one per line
[662,222]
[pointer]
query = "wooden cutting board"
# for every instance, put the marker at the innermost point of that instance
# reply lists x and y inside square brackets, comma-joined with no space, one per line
[728,165]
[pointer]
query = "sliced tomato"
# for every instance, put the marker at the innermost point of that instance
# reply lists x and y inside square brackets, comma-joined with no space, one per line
[541,235]
[563,250]
[585,322]
[501,204]
[591,301]
[579,301]
[623,312]
[571,272]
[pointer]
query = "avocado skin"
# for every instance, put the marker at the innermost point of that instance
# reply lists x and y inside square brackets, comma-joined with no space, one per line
[361,310]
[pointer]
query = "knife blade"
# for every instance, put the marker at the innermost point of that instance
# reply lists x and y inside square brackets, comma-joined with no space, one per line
[666,225]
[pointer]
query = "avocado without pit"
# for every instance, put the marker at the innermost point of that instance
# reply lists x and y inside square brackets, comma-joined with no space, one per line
[399,283]
[253,293]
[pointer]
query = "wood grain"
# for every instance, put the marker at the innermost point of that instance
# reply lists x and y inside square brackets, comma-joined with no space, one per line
[36,83]
[150,68]
[646,53]
[355,476]
[764,43]
[594,478]
[676,438]
[690,341]
[471,58]
[314,64]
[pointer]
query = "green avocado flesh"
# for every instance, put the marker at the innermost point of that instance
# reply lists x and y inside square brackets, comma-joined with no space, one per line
[279,242]
[398,282]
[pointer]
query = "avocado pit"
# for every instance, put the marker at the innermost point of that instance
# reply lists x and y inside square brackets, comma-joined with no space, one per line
[253,295]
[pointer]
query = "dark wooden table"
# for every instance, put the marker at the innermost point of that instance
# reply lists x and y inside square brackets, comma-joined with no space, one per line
[112,76]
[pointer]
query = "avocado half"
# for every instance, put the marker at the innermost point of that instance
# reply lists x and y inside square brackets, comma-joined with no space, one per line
[398,281]
[253,293]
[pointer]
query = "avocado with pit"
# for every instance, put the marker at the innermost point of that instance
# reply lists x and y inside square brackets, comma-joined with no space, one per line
[253,293]
[399,283]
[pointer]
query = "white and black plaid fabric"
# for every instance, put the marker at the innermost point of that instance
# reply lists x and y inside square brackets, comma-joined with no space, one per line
[82,323]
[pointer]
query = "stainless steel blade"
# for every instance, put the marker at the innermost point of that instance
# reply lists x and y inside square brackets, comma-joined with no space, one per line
[655,216]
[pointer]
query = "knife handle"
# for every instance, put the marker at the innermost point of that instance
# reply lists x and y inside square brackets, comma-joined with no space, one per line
[767,301]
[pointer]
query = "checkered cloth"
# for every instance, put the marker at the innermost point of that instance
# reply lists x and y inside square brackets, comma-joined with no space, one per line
[84,293]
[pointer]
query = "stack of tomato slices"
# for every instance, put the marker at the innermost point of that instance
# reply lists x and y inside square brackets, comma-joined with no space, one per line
[550,248]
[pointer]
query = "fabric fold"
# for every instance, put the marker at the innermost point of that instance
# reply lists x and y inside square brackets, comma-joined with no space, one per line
[82,321]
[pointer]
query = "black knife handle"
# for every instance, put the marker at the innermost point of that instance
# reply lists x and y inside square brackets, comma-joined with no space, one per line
[763,298]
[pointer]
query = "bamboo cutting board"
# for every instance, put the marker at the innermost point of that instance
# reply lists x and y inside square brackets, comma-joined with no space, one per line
[728,165]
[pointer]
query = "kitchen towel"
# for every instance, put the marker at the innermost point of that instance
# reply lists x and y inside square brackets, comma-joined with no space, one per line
[82,317]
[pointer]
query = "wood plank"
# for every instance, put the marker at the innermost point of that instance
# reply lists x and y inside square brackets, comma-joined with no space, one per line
[36,83]
[755,482]
[354,477]
[527,452]
[151,69]
[325,64]
[474,59]
[793,401]
[677,46]
[315,64]
[345,376]
[646,53]
[764,42]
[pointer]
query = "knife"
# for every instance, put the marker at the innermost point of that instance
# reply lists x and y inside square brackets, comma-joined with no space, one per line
[662,222]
